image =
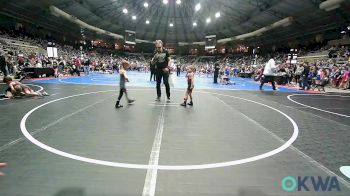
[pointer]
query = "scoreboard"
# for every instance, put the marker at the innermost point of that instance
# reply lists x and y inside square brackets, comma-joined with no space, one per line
[130,37]
[210,42]
[293,56]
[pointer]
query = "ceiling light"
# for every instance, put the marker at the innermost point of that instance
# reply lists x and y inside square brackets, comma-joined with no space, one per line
[134,17]
[165,1]
[178,2]
[208,20]
[171,24]
[194,24]
[197,7]
[147,21]
[217,15]
[145,4]
[125,11]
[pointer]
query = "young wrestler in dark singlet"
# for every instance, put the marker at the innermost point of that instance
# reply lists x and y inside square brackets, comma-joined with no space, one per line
[17,89]
[123,78]
[190,85]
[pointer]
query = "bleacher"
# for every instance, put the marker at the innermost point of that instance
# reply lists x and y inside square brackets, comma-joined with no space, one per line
[16,42]
[19,45]
[314,56]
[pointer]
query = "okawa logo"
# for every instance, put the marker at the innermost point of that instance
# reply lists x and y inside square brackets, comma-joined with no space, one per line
[310,183]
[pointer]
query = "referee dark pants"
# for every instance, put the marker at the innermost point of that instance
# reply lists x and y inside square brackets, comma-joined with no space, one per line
[160,74]
[4,70]
[153,75]
[266,79]
[216,75]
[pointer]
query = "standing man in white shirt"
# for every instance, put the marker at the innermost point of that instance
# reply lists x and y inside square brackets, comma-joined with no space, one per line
[269,73]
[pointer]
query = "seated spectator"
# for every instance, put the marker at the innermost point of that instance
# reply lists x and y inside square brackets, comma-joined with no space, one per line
[337,77]
[258,74]
[344,79]
[225,77]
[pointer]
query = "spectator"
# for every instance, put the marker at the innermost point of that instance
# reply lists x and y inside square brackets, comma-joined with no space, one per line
[3,64]
[345,78]
[305,77]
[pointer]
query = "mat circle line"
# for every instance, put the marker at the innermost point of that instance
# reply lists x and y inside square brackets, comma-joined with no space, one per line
[159,167]
[315,108]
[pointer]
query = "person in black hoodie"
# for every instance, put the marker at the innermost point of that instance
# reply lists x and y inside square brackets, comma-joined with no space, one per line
[216,72]
[178,69]
[87,66]
[161,60]
[305,77]
[3,64]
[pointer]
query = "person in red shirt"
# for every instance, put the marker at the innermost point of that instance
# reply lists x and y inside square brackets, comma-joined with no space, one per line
[2,165]
[345,78]
[77,66]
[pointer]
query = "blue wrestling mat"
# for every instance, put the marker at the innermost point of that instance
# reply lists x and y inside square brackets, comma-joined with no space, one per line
[140,79]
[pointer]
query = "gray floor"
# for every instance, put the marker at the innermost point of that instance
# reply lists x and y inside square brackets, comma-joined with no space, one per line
[217,129]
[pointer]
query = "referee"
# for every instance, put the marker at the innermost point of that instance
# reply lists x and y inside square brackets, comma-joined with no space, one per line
[269,73]
[161,60]
[216,72]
